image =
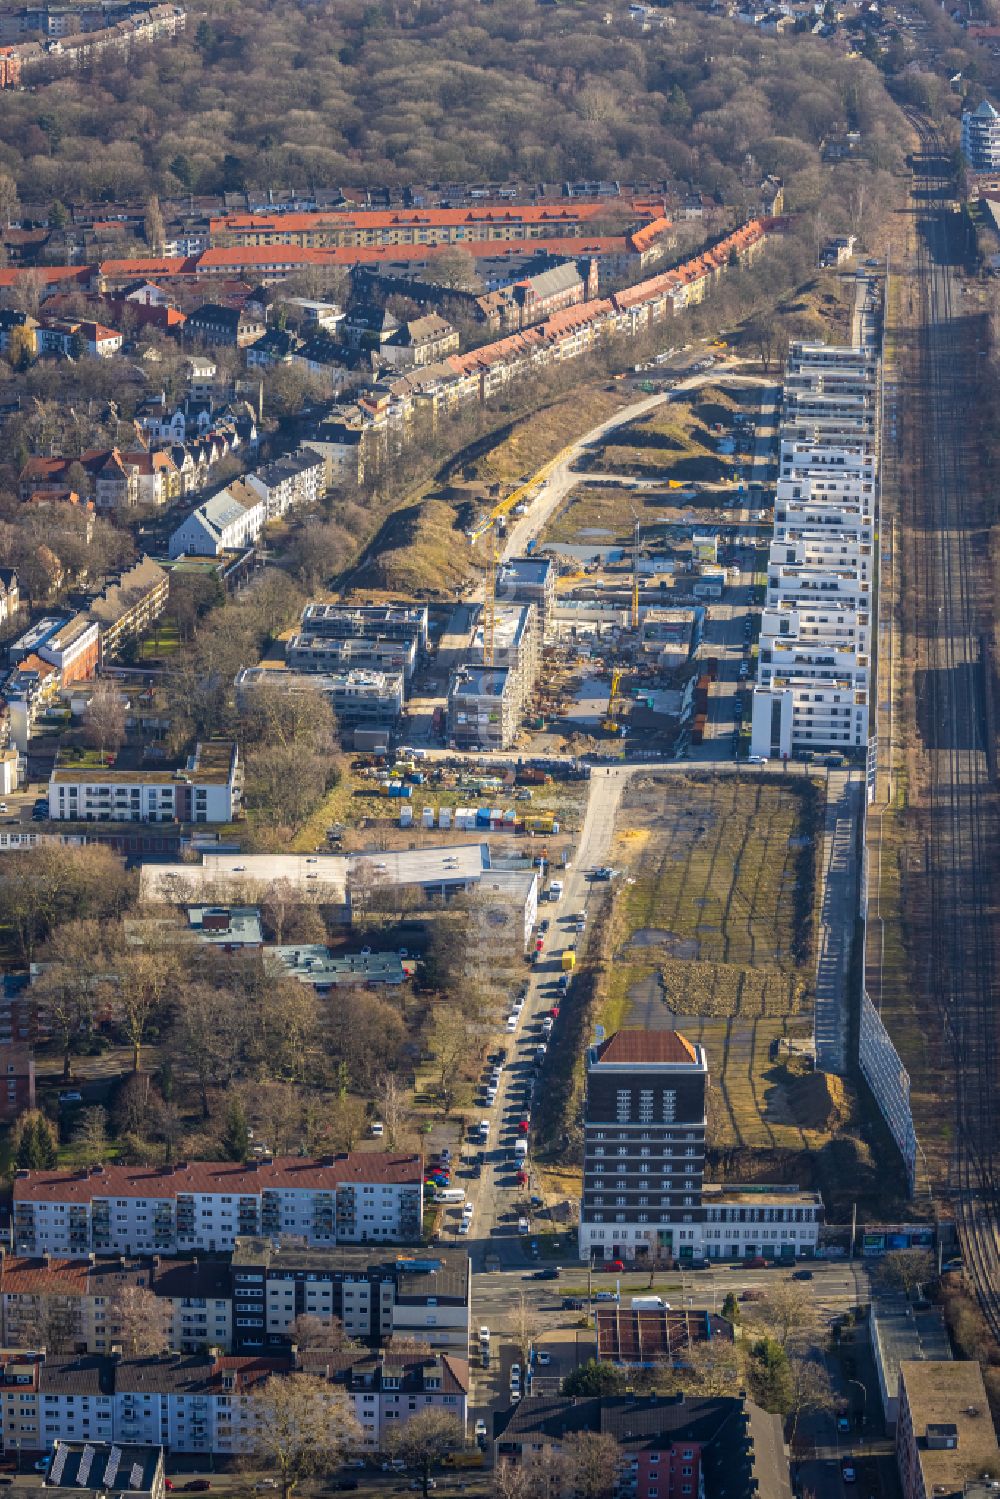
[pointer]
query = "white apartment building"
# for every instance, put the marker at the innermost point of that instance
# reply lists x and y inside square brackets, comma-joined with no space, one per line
[814,664]
[207,788]
[206,1403]
[812,584]
[792,714]
[299,479]
[836,515]
[805,546]
[821,624]
[206,1205]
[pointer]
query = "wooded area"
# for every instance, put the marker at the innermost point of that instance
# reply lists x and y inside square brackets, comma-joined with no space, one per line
[357,93]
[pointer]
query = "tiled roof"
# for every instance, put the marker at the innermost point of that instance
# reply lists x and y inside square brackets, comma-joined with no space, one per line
[646,1046]
[418,218]
[306,1173]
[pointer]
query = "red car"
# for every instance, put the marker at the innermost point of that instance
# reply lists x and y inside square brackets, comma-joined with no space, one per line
[523,1127]
[613,1265]
[522,1178]
[554,1012]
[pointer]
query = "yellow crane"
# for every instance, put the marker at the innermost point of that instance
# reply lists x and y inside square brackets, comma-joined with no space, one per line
[609,723]
[635,578]
[489,524]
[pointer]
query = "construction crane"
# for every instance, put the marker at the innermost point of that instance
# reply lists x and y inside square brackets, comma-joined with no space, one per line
[635,577]
[609,723]
[489,524]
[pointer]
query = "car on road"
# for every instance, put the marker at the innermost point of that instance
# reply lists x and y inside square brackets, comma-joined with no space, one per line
[548,1272]
[573,1304]
[843,1422]
[803,1275]
[197,1486]
[613,1265]
[848,1472]
[480,1432]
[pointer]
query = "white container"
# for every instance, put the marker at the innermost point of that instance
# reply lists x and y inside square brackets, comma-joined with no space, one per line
[406,817]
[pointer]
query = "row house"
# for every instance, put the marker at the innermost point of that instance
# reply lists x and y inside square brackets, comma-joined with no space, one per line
[207,1205]
[299,479]
[247,1304]
[209,1403]
[363,228]
[77,1305]
[129,604]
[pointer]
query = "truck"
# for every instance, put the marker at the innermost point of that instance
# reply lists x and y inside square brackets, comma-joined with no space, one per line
[568,959]
[649,1304]
[556,890]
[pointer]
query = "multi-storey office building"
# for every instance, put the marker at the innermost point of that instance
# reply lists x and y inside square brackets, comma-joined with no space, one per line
[206,1205]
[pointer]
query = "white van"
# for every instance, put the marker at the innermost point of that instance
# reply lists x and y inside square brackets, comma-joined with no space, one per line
[520,1149]
[450,1195]
[556,890]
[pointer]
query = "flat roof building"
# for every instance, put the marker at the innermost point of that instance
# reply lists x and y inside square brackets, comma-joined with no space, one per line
[945,1439]
[207,788]
[483,707]
[901,1332]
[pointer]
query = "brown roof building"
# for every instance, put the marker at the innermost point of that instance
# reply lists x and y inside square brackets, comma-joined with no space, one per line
[204,1205]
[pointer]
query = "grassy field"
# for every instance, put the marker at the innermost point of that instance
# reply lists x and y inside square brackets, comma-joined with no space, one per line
[537,438]
[675,439]
[712,932]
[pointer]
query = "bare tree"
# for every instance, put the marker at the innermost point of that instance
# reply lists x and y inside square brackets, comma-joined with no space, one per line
[310,1331]
[592,1459]
[104,720]
[141,1321]
[788,1311]
[426,1439]
[303,1426]
[91,1136]
[391,1100]
[905,1270]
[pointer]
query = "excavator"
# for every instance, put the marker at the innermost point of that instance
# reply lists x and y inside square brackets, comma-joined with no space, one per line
[610,723]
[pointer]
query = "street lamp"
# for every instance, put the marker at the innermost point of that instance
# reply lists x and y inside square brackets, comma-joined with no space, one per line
[864,1400]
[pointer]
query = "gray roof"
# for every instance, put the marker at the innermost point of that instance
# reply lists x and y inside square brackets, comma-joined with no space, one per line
[103,1467]
[985,112]
[221,511]
[560,278]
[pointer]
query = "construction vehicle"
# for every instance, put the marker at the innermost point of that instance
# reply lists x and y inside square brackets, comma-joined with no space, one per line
[609,723]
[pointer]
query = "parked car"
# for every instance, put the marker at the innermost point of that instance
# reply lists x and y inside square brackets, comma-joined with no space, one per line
[803,1275]
[572,1304]
[197,1486]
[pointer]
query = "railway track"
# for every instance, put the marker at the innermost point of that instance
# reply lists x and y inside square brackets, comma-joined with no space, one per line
[957,733]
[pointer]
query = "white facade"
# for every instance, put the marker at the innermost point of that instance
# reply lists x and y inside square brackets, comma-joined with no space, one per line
[222,524]
[206,1206]
[981,138]
[794,714]
[814,666]
[208,789]
[297,480]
